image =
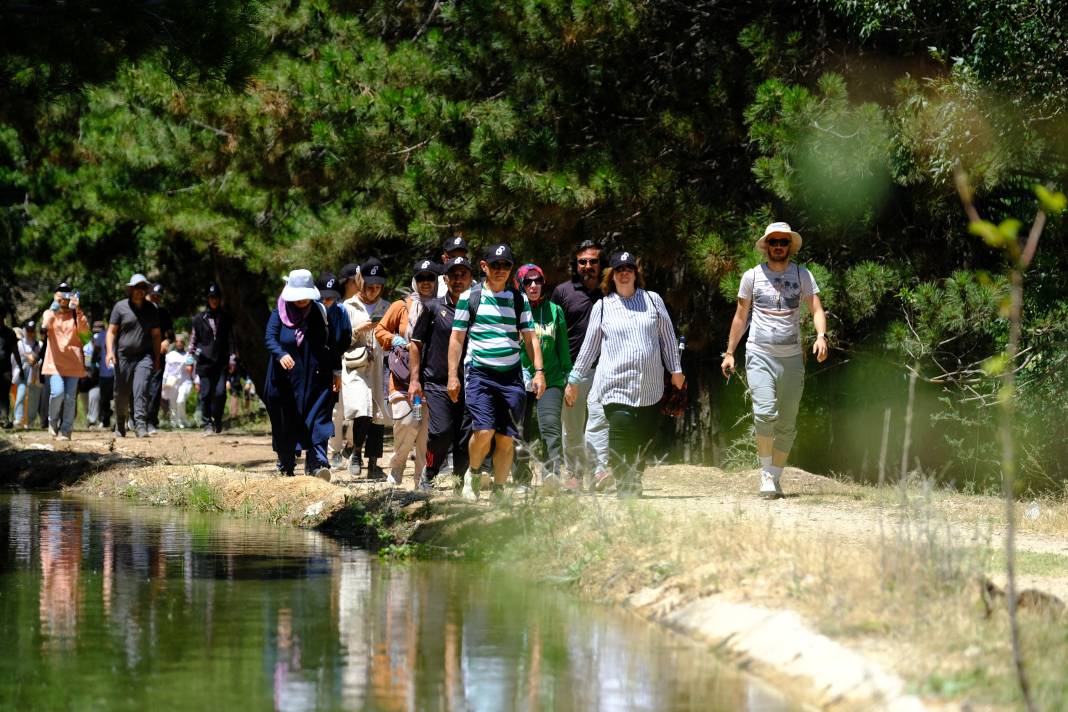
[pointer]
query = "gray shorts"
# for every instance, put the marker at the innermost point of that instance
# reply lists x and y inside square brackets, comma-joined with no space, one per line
[776,384]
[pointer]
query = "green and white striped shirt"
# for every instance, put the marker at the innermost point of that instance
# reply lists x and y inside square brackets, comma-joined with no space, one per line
[494,339]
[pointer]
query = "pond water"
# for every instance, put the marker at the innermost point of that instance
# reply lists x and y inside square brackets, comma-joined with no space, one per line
[109,606]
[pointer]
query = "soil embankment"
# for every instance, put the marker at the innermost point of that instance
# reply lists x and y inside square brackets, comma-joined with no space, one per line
[846,596]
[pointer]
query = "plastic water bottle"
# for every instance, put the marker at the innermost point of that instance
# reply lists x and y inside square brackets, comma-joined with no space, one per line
[417,408]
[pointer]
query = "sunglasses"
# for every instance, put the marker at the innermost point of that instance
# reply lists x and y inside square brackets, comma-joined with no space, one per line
[593,262]
[533,280]
[425,278]
[624,268]
[500,265]
[779,243]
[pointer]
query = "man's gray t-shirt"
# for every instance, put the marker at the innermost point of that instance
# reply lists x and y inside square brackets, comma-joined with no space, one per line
[775,319]
[135,327]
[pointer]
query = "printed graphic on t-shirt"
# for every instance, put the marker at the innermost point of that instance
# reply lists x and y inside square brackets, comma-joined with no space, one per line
[775,319]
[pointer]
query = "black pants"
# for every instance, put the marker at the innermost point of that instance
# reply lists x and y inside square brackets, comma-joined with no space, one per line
[5,398]
[42,405]
[155,395]
[369,437]
[449,427]
[212,397]
[630,436]
[107,392]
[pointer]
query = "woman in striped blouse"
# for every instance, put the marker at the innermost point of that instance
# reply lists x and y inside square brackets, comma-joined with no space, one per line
[632,341]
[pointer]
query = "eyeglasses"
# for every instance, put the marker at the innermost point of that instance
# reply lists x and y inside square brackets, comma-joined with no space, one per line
[593,262]
[500,265]
[779,243]
[533,280]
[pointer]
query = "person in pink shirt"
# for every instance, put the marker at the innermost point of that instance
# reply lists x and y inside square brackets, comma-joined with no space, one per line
[66,329]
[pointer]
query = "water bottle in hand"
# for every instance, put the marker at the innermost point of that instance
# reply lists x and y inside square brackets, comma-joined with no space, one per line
[417,408]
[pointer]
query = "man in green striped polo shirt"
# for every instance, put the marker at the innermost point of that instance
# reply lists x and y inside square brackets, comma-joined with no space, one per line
[493,389]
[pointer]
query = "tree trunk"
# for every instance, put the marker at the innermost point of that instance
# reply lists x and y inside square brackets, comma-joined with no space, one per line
[243,299]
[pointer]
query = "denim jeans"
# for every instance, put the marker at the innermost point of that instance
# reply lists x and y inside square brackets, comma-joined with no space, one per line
[62,393]
[26,402]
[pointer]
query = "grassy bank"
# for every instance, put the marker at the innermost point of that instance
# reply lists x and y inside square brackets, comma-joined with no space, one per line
[897,577]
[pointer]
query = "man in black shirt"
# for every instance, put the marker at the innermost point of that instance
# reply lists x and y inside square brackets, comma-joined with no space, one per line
[9,351]
[211,342]
[428,361]
[585,440]
[133,345]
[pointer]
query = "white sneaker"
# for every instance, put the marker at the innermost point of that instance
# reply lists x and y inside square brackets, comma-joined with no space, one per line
[394,481]
[769,486]
[52,431]
[468,492]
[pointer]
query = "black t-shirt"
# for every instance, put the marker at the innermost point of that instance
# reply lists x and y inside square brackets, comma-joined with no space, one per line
[577,302]
[135,327]
[433,330]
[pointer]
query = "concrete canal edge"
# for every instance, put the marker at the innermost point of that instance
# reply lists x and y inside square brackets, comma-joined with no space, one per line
[775,645]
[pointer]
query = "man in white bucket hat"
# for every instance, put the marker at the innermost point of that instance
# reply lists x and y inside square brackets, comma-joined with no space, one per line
[133,344]
[772,293]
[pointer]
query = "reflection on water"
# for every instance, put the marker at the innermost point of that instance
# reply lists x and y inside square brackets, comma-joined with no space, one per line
[104,606]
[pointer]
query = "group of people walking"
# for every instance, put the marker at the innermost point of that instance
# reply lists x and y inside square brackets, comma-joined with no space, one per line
[495,373]
[136,361]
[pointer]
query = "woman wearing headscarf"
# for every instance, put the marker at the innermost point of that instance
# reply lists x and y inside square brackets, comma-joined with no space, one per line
[394,333]
[550,325]
[632,341]
[66,332]
[363,371]
[300,382]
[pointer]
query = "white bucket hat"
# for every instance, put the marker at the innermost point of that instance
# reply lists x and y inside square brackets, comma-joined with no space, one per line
[779,228]
[138,280]
[300,285]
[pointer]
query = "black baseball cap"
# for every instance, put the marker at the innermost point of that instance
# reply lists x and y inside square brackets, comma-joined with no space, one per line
[157,289]
[373,272]
[64,288]
[30,324]
[328,284]
[213,290]
[499,252]
[425,266]
[623,258]
[455,243]
[347,272]
[458,262]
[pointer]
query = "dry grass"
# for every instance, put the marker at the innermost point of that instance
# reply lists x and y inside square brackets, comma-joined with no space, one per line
[907,595]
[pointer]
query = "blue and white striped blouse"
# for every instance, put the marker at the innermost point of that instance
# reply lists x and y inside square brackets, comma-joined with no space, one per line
[634,340]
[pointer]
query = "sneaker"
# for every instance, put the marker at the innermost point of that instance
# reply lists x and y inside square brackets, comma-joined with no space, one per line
[355,465]
[120,429]
[52,431]
[346,452]
[424,484]
[468,492]
[207,431]
[142,432]
[573,484]
[602,481]
[374,472]
[152,430]
[323,473]
[64,436]
[335,460]
[283,471]
[394,480]
[769,486]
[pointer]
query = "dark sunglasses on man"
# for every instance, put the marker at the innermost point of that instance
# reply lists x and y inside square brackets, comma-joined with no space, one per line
[592,262]
[778,243]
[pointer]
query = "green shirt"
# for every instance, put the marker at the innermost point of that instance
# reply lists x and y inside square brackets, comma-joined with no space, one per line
[551,328]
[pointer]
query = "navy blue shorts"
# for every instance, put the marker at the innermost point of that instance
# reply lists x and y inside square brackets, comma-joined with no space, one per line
[495,400]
